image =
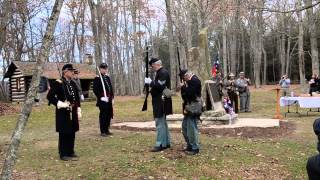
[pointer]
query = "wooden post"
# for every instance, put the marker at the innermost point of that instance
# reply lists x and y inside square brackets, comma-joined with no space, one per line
[278,115]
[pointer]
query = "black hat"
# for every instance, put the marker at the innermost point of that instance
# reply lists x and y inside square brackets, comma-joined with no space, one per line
[103,65]
[68,67]
[316,127]
[183,72]
[153,60]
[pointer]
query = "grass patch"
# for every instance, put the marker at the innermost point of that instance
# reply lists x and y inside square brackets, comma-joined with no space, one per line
[126,154]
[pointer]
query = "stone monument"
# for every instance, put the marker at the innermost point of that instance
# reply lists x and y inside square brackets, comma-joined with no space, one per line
[198,62]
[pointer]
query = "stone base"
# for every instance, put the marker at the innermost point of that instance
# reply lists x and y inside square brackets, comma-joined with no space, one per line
[216,118]
[222,120]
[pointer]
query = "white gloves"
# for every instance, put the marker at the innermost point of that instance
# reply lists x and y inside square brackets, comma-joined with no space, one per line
[105,99]
[79,112]
[61,104]
[82,97]
[147,80]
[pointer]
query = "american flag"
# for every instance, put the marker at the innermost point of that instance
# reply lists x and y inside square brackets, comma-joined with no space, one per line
[216,67]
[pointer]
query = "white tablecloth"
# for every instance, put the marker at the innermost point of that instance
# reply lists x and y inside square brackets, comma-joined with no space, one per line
[303,102]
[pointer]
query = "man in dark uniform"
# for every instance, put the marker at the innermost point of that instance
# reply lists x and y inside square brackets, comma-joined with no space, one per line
[64,95]
[161,105]
[190,92]
[313,164]
[104,93]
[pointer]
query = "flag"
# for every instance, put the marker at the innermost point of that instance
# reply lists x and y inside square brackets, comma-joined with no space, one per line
[215,68]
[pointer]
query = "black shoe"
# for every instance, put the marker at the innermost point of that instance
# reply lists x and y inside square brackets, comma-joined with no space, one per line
[193,152]
[66,158]
[157,149]
[187,148]
[109,133]
[248,111]
[167,147]
[104,135]
[74,155]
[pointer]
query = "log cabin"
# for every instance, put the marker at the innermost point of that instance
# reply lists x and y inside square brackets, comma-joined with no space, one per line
[20,75]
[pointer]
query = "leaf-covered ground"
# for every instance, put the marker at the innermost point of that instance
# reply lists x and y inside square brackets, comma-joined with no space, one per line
[126,154]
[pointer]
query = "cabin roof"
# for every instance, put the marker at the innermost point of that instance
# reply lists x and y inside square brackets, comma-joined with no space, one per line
[50,70]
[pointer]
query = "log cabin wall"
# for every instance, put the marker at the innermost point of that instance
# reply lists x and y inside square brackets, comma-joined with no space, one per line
[17,87]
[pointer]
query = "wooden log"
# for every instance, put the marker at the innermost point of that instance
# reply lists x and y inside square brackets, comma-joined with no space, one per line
[17,92]
[18,96]
[17,73]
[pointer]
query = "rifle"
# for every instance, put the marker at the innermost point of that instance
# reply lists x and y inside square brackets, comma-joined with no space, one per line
[103,86]
[146,86]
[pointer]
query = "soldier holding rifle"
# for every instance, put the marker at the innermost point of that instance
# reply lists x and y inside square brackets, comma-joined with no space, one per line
[103,90]
[162,105]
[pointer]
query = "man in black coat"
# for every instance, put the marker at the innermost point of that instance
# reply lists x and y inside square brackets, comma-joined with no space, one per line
[190,92]
[65,96]
[313,164]
[162,105]
[103,90]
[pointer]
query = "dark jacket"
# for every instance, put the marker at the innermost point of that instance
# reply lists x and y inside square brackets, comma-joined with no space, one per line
[66,119]
[314,86]
[161,106]
[98,91]
[191,90]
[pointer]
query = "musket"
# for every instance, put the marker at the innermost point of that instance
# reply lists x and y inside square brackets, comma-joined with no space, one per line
[179,63]
[103,86]
[146,86]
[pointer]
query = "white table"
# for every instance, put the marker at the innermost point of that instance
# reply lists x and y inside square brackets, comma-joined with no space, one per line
[302,102]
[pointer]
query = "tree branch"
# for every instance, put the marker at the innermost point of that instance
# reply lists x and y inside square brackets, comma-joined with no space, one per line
[285,12]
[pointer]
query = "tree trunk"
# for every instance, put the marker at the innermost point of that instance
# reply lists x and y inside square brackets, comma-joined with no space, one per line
[173,63]
[313,37]
[95,23]
[300,46]
[136,56]
[234,38]
[27,107]
[288,53]
[5,14]
[224,47]
[243,50]
[264,82]
[256,44]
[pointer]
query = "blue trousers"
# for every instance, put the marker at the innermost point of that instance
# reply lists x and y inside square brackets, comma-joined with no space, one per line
[190,132]
[163,136]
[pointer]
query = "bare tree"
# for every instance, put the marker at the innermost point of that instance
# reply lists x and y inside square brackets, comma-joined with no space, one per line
[27,107]
[96,23]
[300,44]
[173,63]
[313,37]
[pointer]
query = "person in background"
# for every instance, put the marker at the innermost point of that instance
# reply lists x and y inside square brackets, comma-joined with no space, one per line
[314,84]
[243,88]
[78,83]
[231,88]
[313,163]
[284,85]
